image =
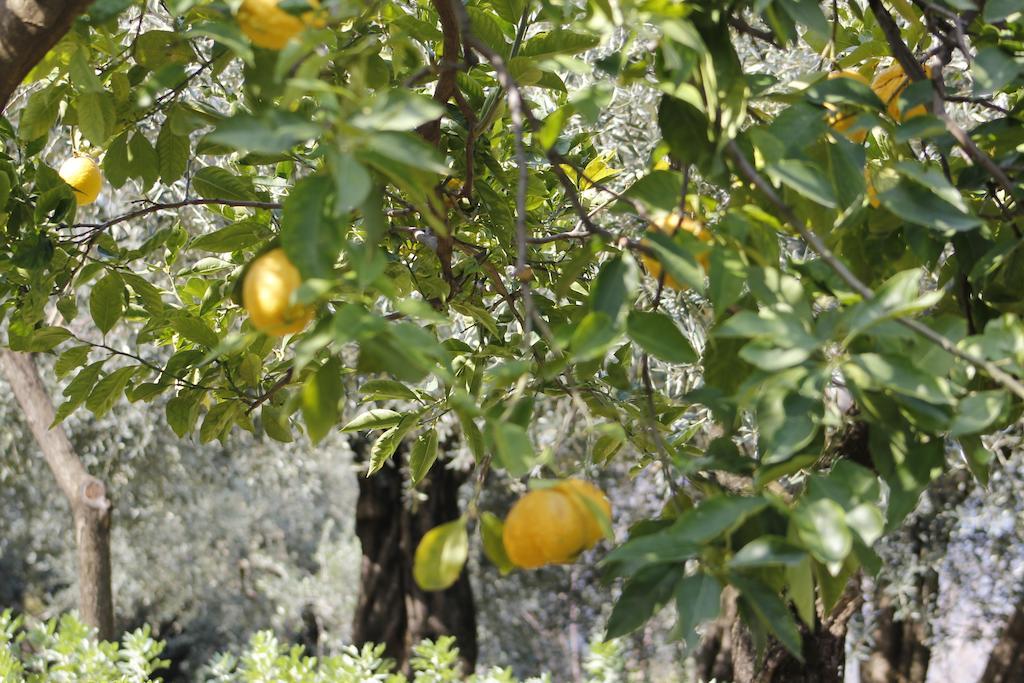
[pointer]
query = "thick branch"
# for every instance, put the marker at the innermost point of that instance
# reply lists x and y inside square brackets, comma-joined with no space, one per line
[86,495]
[28,29]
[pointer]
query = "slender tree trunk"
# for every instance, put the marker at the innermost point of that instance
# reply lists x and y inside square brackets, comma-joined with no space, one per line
[86,495]
[28,29]
[1006,662]
[391,608]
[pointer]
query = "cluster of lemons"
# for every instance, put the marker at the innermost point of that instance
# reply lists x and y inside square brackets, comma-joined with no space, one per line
[553,525]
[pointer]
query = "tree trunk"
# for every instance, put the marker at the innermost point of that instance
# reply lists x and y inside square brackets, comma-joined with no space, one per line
[90,508]
[391,608]
[1006,662]
[902,653]
[28,29]
[727,653]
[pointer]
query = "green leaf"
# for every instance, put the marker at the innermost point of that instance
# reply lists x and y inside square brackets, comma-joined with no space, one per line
[899,296]
[875,371]
[642,596]
[320,395]
[96,116]
[805,179]
[352,183]
[558,42]
[397,109]
[800,587]
[714,517]
[271,132]
[233,237]
[512,447]
[78,390]
[376,418]
[927,199]
[772,611]
[978,411]
[142,161]
[310,238]
[677,261]
[218,421]
[994,69]
[698,600]
[658,190]
[614,284]
[767,551]
[173,153]
[109,390]
[385,149]
[182,411]
[106,301]
[71,358]
[821,527]
[384,389]
[195,330]
[40,113]
[593,336]
[440,555]
[423,455]
[659,336]
[387,443]
[492,537]
[212,182]
[275,423]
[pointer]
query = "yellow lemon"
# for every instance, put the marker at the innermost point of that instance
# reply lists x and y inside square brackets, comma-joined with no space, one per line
[552,526]
[267,292]
[842,121]
[889,84]
[84,177]
[871,191]
[577,488]
[450,192]
[669,225]
[267,25]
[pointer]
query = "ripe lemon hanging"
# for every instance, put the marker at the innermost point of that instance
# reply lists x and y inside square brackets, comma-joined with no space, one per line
[579,489]
[267,292]
[84,177]
[841,121]
[267,25]
[889,84]
[552,526]
[669,225]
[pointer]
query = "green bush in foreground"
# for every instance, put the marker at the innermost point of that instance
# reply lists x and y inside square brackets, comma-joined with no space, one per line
[64,649]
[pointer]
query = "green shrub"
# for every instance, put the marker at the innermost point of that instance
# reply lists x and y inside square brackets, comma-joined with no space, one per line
[65,650]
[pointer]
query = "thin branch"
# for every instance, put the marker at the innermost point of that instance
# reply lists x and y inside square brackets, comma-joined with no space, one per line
[160,206]
[743,26]
[748,171]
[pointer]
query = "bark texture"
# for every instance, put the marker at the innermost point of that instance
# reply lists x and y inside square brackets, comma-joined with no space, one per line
[86,495]
[28,29]
[1006,662]
[391,608]
[727,652]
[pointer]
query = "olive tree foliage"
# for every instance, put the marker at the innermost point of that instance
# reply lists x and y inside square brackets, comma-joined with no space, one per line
[338,148]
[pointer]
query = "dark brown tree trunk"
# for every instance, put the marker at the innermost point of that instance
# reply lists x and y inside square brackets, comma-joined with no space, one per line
[727,653]
[90,508]
[28,29]
[1006,662]
[901,653]
[391,608]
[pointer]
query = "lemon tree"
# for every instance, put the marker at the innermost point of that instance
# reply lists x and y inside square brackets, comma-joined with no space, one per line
[415,206]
